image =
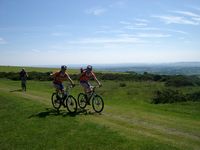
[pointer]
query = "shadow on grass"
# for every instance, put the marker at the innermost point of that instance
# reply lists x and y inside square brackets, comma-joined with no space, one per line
[17,90]
[54,112]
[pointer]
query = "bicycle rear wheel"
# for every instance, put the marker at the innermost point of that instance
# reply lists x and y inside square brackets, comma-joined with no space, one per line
[97,103]
[82,101]
[56,102]
[71,104]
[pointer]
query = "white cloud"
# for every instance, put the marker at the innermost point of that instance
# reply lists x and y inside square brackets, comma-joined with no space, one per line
[142,20]
[176,20]
[187,13]
[118,4]
[125,22]
[196,19]
[57,34]
[141,24]
[177,31]
[108,31]
[96,11]
[141,28]
[2,41]
[145,35]
[118,40]
[35,50]
[153,35]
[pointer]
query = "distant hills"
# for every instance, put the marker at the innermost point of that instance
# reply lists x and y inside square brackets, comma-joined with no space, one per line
[184,68]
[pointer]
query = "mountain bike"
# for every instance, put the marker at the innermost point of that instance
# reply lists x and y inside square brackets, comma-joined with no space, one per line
[59,98]
[97,100]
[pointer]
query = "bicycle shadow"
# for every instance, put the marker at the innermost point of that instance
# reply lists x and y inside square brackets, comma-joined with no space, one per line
[63,113]
[16,90]
[51,112]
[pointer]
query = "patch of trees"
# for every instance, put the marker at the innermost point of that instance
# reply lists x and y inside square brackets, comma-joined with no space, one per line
[172,96]
[180,80]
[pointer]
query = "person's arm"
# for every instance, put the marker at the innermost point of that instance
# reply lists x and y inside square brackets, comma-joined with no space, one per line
[95,78]
[53,75]
[26,74]
[68,77]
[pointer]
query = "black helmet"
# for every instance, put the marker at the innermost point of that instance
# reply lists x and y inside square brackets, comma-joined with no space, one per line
[89,68]
[63,67]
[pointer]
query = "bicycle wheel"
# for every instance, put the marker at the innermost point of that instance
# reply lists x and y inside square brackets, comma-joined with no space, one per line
[82,101]
[55,99]
[97,103]
[71,104]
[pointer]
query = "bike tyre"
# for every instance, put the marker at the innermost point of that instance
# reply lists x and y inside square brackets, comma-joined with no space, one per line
[71,101]
[82,101]
[94,103]
[55,104]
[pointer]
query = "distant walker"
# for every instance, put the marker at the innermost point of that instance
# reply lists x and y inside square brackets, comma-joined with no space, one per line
[23,77]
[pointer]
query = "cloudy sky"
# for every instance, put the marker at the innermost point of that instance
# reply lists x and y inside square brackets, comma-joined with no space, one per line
[49,32]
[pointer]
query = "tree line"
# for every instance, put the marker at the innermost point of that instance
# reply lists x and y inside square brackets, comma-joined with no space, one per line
[169,80]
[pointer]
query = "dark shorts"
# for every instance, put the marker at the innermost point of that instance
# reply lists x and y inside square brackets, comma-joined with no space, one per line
[85,84]
[58,86]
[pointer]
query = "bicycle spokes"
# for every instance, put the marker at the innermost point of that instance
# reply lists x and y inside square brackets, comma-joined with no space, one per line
[97,103]
[55,101]
[82,101]
[71,104]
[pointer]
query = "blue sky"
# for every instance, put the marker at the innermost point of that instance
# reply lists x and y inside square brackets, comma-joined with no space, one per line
[49,32]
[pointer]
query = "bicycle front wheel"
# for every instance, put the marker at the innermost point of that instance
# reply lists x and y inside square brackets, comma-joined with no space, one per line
[55,99]
[71,104]
[82,101]
[97,103]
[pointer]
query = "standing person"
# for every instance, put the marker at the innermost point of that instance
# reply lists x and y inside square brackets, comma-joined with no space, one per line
[23,77]
[86,75]
[59,77]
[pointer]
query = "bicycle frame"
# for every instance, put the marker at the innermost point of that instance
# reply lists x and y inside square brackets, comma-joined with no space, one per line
[63,98]
[92,93]
[64,94]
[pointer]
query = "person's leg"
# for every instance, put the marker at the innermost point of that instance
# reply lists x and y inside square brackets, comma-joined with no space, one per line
[57,89]
[22,86]
[85,88]
[25,86]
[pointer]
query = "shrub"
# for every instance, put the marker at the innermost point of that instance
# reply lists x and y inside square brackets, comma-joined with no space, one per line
[168,96]
[193,96]
[179,81]
[122,84]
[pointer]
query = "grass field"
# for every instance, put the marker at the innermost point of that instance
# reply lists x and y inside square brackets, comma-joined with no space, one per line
[29,69]
[128,121]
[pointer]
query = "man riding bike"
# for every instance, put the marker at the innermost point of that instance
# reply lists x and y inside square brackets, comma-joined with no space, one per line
[86,75]
[59,77]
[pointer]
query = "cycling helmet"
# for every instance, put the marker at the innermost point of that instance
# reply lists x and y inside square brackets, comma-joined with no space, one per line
[89,68]
[63,67]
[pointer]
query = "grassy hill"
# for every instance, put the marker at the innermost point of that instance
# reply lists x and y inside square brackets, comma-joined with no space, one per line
[30,69]
[128,121]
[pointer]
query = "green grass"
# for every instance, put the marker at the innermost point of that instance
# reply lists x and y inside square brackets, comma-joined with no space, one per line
[37,69]
[128,121]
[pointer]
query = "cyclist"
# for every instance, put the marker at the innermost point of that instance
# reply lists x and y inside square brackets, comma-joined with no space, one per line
[86,75]
[59,77]
[23,76]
